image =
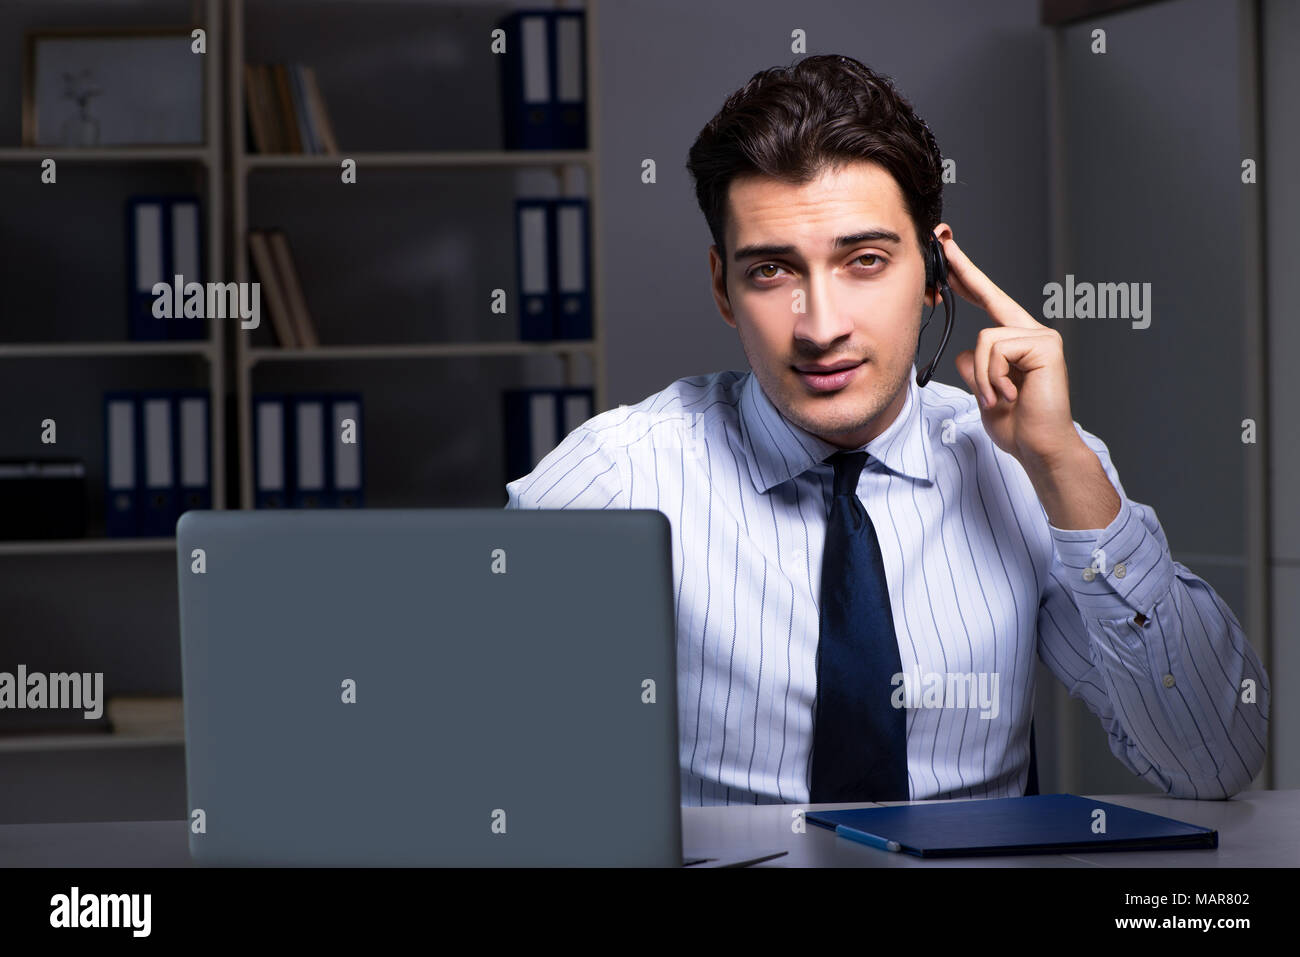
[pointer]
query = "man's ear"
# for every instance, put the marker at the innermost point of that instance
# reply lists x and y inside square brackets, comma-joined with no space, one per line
[719,286]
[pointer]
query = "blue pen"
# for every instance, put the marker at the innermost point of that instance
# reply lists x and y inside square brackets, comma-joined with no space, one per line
[862,837]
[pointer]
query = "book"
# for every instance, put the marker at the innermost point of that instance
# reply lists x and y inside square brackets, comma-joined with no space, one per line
[258,121]
[270,109]
[288,275]
[259,249]
[306,133]
[288,121]
[320,116]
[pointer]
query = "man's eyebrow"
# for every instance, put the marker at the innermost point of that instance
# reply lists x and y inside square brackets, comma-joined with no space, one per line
[866,236]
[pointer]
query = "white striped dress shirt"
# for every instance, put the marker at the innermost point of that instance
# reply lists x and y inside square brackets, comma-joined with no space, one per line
[978,582]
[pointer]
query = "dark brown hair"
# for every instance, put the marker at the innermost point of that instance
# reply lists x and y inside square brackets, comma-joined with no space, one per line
[793,122]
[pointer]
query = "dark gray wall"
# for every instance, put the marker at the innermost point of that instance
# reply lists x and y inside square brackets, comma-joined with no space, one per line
[976,73]
[1281,31]
[1152,149]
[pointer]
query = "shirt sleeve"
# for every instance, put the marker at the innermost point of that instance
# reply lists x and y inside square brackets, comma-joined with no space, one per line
[1155,653]
[580,472]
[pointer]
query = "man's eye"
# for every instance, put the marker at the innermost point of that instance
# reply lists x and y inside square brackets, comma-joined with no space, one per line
[757,272]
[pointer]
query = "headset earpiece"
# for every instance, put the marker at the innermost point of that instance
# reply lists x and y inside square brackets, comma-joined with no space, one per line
[936,278]
[936,273]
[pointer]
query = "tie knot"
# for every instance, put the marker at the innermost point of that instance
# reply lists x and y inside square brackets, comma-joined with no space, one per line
[848,467]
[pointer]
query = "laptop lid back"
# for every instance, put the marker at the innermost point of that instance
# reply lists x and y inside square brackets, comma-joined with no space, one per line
[433,687]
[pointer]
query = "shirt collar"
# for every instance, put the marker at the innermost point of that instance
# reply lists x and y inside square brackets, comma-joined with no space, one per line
[779,450]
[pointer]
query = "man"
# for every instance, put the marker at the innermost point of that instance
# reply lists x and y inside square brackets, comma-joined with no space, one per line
[864,567]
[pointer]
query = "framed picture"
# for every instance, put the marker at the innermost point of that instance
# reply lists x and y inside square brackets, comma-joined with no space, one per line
[113,87]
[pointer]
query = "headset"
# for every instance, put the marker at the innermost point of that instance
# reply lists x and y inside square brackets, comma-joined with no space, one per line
[936,277]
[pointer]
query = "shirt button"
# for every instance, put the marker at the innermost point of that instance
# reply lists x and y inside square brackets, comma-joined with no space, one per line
[1169,681]
[1120,570]
[1089,574]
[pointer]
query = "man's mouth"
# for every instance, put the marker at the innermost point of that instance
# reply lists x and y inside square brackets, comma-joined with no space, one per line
[830,376]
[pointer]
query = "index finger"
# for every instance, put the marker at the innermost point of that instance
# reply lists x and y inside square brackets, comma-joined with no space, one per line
[1001,308]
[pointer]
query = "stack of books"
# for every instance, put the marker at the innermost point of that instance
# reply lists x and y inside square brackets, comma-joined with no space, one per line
[286,112]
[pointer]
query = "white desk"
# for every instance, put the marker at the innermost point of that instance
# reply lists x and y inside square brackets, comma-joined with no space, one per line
[1256,829]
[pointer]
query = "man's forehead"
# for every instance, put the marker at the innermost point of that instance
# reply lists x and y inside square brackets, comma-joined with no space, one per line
[851,196]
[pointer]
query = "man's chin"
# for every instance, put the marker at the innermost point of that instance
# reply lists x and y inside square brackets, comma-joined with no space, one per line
[832,419]
[839,416]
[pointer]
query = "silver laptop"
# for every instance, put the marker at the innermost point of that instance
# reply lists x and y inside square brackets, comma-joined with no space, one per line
[436,687]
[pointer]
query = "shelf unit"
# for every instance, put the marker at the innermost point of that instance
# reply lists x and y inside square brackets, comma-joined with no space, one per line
[206,161]
[243,164]
[226,208]
[210,158]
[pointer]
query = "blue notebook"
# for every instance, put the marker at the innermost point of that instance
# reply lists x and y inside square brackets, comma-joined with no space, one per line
[1042,824]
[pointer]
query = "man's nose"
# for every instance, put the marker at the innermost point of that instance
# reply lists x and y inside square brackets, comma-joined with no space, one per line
[819,317]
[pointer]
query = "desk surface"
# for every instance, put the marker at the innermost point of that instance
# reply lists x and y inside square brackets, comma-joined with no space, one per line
[1256,829]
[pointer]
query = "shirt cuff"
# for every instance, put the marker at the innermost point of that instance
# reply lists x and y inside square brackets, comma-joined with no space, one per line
[1118,570]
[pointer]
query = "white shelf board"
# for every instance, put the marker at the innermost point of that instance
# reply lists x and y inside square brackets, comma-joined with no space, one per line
[87,546]
[413,158]
[198,347]
[422,350]
[106,154]
[86,742]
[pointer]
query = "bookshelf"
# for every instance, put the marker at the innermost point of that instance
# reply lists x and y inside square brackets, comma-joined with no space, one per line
[208,160]
[70,371]
[226,175]
[248,169]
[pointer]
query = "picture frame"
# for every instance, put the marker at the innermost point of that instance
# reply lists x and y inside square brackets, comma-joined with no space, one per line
[113,87]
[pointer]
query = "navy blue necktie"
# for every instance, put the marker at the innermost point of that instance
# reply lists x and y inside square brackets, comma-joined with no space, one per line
[860,738]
